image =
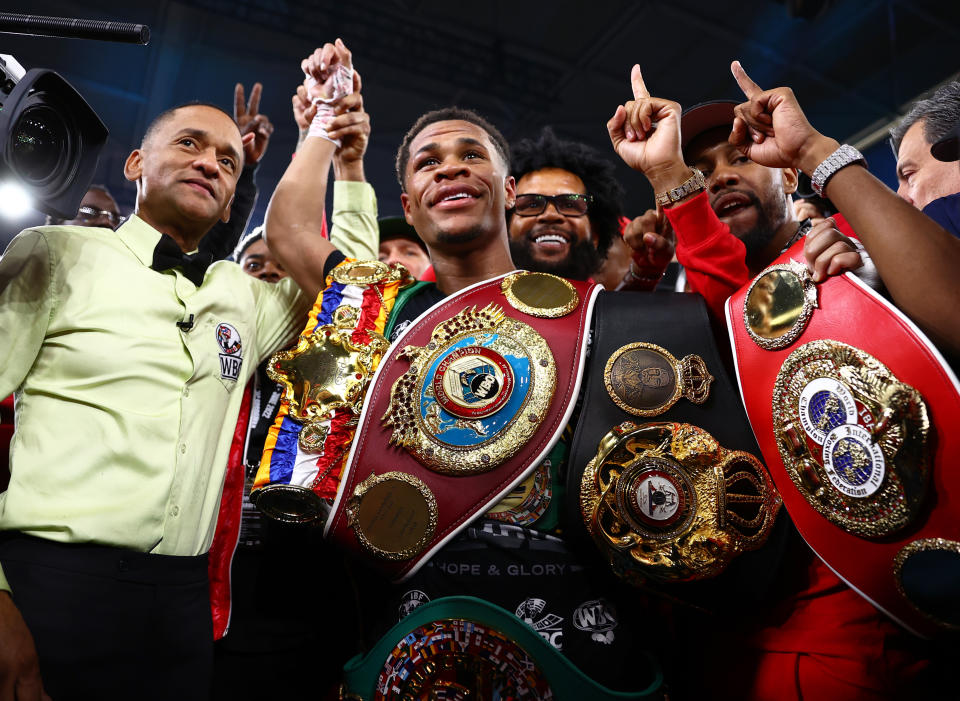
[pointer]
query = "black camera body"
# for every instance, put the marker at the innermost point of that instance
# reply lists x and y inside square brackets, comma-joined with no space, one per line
[50,138]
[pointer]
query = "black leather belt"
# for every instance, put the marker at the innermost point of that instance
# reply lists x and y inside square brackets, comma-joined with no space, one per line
[649,324]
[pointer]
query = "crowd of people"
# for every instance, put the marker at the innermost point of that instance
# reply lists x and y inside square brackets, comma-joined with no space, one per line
[151,423]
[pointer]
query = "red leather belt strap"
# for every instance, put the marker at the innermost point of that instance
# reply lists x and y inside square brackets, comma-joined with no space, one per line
[460,498]
[851,313]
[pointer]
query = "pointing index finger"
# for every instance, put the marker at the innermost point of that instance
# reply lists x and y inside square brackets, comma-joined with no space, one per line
[744,81]
[636,82]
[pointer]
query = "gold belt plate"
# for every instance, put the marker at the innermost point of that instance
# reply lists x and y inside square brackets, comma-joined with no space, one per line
[393,515]
[853,438]
[778,305]
[326,370]
[666,501]
[540,294]
[645,379]
[474,395]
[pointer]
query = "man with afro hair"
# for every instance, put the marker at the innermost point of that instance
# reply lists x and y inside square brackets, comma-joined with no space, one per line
[568,207]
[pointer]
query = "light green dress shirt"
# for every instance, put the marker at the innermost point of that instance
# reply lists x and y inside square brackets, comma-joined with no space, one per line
[353,226]
[124,420]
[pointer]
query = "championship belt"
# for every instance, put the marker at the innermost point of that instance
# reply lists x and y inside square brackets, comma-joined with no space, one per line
[856,413]
[471,398]
[325,379]
[663,472]
[460,647]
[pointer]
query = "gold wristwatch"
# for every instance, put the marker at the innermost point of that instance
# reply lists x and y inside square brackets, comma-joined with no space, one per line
[695,183]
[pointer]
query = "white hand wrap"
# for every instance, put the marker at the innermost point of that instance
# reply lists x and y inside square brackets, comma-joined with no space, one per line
[341,85]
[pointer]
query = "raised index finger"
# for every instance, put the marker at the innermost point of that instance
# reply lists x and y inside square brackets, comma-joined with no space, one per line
[254,99]
[636,82]
[744,81]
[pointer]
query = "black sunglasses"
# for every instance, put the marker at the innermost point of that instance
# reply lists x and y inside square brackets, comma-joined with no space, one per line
[530,205]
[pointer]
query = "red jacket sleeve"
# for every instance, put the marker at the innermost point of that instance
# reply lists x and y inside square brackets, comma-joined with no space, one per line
[715,259]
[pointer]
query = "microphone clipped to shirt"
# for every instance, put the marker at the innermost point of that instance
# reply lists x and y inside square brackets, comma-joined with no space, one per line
[185,325]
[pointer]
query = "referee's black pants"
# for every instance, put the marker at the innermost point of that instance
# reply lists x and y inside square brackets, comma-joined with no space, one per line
[110,623]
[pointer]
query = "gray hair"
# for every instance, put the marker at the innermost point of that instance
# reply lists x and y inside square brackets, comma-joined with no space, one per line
[940,113]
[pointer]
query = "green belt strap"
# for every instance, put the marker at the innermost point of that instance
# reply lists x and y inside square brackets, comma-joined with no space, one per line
[402,298]
[567,682]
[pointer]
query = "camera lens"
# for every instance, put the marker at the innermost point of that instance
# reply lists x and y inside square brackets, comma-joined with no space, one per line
[39,143]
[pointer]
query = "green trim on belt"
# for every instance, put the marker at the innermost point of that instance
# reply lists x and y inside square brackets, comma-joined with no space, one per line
[402,298]
[567,682]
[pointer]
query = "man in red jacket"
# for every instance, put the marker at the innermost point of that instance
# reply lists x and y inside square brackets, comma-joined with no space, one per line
[739,218]
[815,637]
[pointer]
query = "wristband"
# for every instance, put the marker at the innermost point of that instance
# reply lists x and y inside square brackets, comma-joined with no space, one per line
[841,158]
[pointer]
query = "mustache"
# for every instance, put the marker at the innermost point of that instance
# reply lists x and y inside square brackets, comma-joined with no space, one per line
[754,200]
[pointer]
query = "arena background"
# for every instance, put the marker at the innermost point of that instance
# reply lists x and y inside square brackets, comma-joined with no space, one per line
[855,66]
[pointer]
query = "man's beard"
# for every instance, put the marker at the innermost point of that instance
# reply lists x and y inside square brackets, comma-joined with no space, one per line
[581,262]
[756,239]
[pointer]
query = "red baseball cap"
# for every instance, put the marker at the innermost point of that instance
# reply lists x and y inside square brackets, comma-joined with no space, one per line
[704,117]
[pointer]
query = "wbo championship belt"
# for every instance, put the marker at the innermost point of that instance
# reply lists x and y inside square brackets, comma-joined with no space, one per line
[663,471]
[856,413]
[325,378]
[469,401]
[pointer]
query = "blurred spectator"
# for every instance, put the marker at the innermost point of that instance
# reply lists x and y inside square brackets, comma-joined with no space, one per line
[399,243]
[568,207]
[97,208]
[256,259]
[922,177]
[616,265]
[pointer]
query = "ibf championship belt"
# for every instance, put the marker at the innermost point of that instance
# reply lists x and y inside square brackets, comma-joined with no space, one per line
[471,398]
[325,379]
[663,471]
[856,413]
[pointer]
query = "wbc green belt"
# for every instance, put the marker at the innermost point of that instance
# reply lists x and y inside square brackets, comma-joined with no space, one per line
[465,644]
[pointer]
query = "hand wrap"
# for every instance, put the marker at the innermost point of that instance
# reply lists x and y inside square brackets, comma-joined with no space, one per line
[341,85]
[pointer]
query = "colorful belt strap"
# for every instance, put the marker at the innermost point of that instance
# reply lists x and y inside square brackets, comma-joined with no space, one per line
[325,377]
